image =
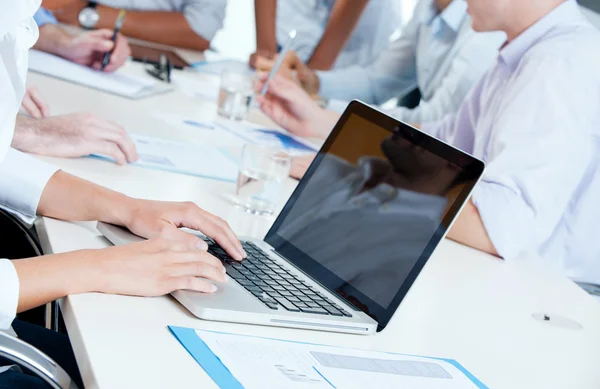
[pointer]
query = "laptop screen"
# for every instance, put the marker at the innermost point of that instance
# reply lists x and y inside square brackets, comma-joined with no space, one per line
[371,208]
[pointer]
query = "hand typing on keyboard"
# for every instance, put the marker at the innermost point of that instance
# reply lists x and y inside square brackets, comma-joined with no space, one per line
[272,284]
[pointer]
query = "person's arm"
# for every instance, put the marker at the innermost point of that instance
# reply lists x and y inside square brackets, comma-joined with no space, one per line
[171,260]
[87,48]
[150,268]
[470,63]
[342,21]
[469,229]
[193,28]
[393,74]
[265,15]
[74,135]
[542,147]
[291,108]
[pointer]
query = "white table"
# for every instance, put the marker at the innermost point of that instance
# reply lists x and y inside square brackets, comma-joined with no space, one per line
[465,305]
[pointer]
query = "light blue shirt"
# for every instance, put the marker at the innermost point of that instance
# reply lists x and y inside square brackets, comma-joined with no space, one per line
[310,17]
[437,52]
[535,120]
[205,17]
[43,16]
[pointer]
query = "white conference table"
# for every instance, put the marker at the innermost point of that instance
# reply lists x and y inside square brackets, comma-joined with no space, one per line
[465,305]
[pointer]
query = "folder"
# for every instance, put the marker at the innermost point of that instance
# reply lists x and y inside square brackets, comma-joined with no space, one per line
[117,83]
[250,362]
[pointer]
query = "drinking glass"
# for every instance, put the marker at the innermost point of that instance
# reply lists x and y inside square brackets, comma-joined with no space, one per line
[262,175]
[235,93]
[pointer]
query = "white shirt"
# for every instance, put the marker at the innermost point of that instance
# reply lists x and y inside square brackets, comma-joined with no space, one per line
[437,52]
[310,17]
[535,120]
[205,17]
[22,177]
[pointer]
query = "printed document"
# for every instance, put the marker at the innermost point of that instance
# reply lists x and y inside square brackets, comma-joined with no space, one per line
[261,363]
[185,158]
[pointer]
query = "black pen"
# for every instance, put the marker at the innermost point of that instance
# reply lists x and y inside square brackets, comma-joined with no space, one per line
[118,25]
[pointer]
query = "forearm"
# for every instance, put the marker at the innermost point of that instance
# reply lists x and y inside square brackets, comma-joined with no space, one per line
[469,230]
[26,135]
[343,20]
[47,278]
[67,197]
[53,39]
[169,28]
[265,15]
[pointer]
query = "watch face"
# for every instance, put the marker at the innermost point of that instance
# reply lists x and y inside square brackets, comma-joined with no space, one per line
[88,18]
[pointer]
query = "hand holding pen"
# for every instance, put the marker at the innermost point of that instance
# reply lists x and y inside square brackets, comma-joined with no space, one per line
[118,25]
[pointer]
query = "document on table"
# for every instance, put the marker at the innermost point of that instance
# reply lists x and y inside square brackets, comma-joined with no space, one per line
[252,133]
[246,362]
[118,83]
[185,158]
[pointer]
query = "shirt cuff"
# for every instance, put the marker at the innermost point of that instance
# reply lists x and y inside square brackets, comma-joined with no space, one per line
[22,179]
[43,17]
[9,293]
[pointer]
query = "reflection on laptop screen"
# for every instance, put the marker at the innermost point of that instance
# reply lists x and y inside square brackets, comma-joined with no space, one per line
[366,212]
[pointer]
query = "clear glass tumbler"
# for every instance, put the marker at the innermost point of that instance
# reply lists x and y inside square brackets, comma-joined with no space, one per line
[235,93]
[262,175]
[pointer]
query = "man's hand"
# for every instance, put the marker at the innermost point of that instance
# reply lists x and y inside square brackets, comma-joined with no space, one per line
[33,103]
[291,68]
[291,108]
[74,135]
[150,219]
[89,48]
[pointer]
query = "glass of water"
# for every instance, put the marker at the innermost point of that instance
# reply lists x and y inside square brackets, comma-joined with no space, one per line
[262,175]
[235,93]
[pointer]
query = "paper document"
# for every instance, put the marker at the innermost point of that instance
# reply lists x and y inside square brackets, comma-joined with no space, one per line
[117,83]
[239,361]
[185,158]
[252,133]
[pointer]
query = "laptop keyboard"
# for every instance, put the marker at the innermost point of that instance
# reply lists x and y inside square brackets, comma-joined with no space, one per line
[274,285]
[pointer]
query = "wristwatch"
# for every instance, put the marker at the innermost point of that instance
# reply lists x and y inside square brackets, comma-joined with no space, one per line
[88,16]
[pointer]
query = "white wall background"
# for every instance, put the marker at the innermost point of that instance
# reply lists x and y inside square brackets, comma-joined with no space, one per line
[237,39]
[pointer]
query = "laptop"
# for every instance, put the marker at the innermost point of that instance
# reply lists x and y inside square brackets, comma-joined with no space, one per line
[353,237]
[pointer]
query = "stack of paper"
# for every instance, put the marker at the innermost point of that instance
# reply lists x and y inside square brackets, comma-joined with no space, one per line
[117,83]
[238,362]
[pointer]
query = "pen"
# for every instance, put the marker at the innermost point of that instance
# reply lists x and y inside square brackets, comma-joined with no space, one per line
[279,61]
[118,25]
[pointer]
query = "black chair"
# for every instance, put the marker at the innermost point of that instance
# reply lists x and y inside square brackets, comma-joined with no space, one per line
[20,242]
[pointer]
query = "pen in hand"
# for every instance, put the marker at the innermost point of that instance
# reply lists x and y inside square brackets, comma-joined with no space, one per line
[118,25]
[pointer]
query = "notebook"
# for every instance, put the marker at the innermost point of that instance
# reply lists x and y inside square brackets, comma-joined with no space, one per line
[118,83]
